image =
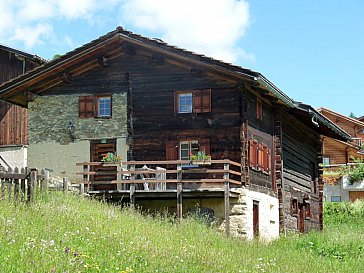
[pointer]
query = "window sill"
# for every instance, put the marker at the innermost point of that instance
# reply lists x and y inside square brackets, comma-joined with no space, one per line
[100,117]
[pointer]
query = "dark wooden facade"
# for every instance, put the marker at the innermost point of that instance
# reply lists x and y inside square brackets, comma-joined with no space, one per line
[246,118]
[13,118]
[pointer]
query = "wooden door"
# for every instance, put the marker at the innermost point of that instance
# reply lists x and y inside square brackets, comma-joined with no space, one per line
[256,219]
[354,195]
[99,148]
[301,217]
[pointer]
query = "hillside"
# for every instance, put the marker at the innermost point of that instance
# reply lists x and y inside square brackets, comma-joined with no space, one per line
[70,234]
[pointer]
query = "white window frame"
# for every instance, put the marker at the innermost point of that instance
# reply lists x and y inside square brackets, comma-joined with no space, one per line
[326,160]
[102,100]
[187,108]
[190,148]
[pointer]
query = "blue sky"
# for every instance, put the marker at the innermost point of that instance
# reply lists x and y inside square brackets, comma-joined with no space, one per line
[312,50]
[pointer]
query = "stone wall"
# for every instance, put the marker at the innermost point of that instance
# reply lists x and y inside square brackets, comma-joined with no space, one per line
[50,115]
[52,147]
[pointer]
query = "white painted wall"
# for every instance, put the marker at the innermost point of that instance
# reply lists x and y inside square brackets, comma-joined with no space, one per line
[61,160]
[268,215]
[15,156]
[241,215]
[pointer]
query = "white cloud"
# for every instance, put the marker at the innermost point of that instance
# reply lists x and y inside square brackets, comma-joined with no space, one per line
[38,16]
[33,35]
[211,27]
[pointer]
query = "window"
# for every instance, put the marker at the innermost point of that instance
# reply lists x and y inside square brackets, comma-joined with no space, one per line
[307,209]
[326,160]
[185,103]
[294,206]
[259,109]
[95,106]
[104,106]
[188,148]
[184,149]
[335,198]
[259,156]
[194,101]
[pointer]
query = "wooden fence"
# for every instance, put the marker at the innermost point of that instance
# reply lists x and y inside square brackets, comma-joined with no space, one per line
[20,184]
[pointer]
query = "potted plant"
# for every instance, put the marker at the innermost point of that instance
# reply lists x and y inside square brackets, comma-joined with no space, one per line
[111,158]
[201,158]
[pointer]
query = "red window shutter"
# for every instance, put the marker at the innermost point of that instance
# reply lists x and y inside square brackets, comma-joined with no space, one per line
[253,153]
[260,157]
[202,101]
[205,146]
[206,101]
[86,106]
[171,150]
[197,101]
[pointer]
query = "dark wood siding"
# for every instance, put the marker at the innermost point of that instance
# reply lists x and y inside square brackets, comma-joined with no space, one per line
[301,148]
[13,125]
[13,119]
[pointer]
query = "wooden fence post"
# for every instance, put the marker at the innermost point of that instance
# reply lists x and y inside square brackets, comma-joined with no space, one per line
[16,185]
[2,181]
[44,182]
[23,184]
[65,185]
[179,193]
[31,183]
[226,200]
[132,188]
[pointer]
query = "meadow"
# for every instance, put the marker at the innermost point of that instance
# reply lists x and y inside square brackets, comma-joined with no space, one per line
[60,233]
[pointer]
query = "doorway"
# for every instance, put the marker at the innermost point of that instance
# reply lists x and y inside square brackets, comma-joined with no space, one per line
[99,148]
[255,218]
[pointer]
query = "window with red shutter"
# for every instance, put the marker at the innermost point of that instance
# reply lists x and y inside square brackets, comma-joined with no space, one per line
[86,106]
[259,156]
[192,101]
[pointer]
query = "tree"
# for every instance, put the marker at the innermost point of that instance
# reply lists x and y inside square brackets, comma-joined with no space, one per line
[352,115]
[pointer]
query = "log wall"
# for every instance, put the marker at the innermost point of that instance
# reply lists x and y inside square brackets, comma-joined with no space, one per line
[301,149]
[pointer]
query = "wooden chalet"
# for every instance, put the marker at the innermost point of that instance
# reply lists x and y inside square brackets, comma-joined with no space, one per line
[13,118]
[338,153]
[161,106]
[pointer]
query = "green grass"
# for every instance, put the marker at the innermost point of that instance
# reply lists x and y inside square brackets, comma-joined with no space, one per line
[71,234]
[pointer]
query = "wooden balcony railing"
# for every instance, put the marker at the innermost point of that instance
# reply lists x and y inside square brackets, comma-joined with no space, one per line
[157,175]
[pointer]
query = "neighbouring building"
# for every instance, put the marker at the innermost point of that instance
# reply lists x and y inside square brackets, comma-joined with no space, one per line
[338,153]
[153,102]
[13,118]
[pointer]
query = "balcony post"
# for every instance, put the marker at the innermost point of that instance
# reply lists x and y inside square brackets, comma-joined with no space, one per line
[132,188]
[226,199]
[179,193]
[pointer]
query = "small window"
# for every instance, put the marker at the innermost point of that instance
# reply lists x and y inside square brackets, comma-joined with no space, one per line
[95,106]
[335,198]
[184,103]
[194,101]
[259,110]
[104,106]
[307,209]
[259,156]
[326,160]
[188,148]
[294,206]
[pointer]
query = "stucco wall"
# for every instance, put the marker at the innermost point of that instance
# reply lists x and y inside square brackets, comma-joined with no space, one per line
[15,156]
[50,144]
